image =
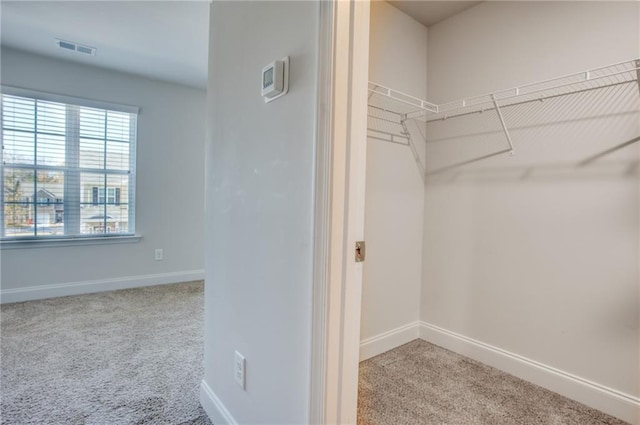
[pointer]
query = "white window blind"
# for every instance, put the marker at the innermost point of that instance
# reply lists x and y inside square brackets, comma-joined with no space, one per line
[68,167]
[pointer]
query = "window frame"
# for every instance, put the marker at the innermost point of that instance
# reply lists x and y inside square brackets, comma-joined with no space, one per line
[72,200]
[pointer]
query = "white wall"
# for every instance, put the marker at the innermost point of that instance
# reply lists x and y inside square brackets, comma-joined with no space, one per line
[395,189]
[536,255]
[259,213]
[170,184]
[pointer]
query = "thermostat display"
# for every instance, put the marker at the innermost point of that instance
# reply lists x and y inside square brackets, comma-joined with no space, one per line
[267,78]
[275,79]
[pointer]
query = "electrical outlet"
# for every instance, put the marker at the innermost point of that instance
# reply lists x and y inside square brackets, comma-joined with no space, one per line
[238,370]
[159,254]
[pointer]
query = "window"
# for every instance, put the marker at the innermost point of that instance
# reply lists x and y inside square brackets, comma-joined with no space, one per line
[68,167]
[112,195]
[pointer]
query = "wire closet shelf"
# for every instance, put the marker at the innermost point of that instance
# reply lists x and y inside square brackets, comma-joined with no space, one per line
[390,110]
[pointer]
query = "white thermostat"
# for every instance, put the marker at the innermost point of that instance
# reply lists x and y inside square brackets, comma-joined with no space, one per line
[275,79]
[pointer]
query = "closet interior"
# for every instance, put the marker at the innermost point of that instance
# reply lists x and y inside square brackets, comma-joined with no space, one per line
[504,226]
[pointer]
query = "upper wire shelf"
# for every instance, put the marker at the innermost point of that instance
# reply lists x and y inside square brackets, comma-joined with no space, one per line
[405,102]
[392,113]
[410,107]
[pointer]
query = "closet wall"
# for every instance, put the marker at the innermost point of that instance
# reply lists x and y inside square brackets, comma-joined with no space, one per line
[535,254]
[394,190]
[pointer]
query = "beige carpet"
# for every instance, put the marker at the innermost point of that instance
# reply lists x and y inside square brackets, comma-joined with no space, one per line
[123,357]
[420,383]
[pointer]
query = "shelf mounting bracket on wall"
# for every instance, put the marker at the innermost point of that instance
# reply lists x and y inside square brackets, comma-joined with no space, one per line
[504,126]
[638,73]
[421,167]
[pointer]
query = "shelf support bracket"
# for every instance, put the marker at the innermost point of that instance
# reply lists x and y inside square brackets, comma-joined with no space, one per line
[504,125]
[638,73]
[421,166]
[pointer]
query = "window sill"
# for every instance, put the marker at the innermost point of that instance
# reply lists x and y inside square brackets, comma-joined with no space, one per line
[50,243]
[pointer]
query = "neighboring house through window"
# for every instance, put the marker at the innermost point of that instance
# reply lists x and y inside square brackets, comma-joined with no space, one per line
[68,166]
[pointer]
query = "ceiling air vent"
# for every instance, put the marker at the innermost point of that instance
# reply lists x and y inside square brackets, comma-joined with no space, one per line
[75,47]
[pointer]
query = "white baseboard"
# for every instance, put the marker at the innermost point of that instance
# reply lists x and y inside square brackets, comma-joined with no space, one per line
[389,340]
[214,407]
[77,288]
[607,400]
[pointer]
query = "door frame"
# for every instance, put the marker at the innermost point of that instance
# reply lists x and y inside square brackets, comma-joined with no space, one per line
[343,67]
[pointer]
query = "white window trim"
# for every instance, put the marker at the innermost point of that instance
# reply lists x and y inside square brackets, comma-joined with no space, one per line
[68,241]
[76,239]
[52,97]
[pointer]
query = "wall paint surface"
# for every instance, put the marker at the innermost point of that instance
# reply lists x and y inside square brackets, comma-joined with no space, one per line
[533,253]
[259,210]
[482,50]
[394,189]
[170,176]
